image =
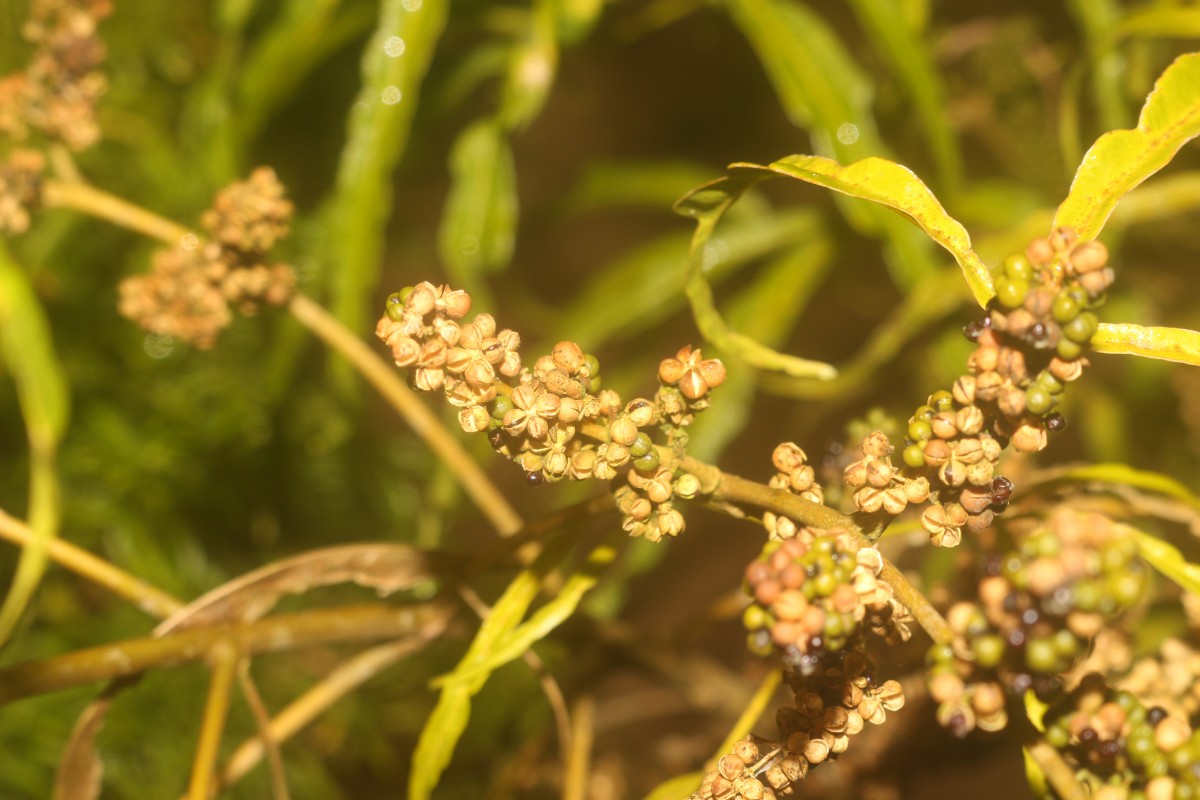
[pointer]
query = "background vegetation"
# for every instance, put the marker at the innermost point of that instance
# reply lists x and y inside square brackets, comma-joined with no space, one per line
[534,162]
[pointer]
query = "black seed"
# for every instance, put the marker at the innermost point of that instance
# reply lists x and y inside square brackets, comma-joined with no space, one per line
[496,438]
[1002,489]
[534,478]
[972,329]
[1056,422]
[1088,737]
[1108,750]
[1155,715]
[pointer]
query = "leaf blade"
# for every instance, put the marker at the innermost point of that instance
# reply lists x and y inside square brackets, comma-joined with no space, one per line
[1164,344]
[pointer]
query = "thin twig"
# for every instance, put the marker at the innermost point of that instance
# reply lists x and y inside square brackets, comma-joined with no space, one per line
[98,203]
[153,601]
[575,782]
[262,718]
[424,422]
[224,658]
[276,634]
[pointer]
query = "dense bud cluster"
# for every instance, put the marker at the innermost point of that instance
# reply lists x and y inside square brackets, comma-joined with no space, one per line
[190,286]
[831,705]
[814,592]
[1122,747]
[1039,606]
[877,484]
[56,94]
[553,419]
[1030,345]
[20,187]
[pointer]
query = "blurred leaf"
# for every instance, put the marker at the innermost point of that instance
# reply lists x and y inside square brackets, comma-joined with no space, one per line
[531,68]
[645,285]
[1165,344]
[1120,160]
[1167,559]
[653,185]
[1165,197]
[1098,18]
[377,133]
[576,18]
[479,225]
[892,185]
[706,205]
[28,350]
[898,42]
[1125,475]
[768,310]
[1035,710]
[1162,21]
[825,92]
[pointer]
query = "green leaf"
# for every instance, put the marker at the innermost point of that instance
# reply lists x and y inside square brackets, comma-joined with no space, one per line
[479,225]
[1120,160]
[824,91]
[1165,344]
[28,350]
[646,285]
[1125,475]
[707,205]
[377,133]
[531,68]
[1167,559]
[1097,18]
[894,186]
[1159,22]
[543,621]
[897,41]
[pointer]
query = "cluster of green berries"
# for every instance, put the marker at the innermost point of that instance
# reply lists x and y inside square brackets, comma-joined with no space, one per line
[1039,607]
[553,419]
[190,287]
[832,704]
[1122,749]
[816,593]
[1029,346]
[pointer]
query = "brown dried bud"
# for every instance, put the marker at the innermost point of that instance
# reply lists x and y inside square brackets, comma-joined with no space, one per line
[895,500]
[969,420]
[641,412]
[1029,438]
[788,457]
[1011,402]
[879,473]
[937,452]
[1096,283]
[876,445]
[622,430]
[988,385]
[964,390]
[855,474]
[1088,257]
[568,356]
[943,425]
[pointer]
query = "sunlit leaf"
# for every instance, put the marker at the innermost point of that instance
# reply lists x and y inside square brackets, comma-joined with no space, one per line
[1167,559]
[895,186]
[479,225]
[1120,160]
[1168,22]
[1107,67]
[1165,344]
[531,68]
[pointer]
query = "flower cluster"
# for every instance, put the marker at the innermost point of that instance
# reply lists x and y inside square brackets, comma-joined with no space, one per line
[1039,606]
[815,593]
[1030,345]
[793,474]
[878,484]
[831,705]
[20,186]
[57,92]
[1122,748]
[553,419]
[190,286]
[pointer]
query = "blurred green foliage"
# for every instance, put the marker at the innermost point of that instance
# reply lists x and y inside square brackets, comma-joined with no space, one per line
[531,153]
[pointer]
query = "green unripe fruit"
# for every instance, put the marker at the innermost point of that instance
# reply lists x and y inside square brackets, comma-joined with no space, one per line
[759,643]
[1184,791]
[989,650]
[919,430]
[834,626]
[1157,766]
[808,589]
[1081,328]
[647,463]
[1017,267]
[1048,545]
[1066,644]
[1058,737]
[1180,759]
[1068,350]
[593,365]
[924,412]
[395,307]
[825,583]
[1041,655]
[594,384]
[641,445]
[1038,399]
[501,406]
[1087,595]
[1052,384]
[1139,748]
[1125,587]
[1011,292]
[942,400]
[1126,701]
[754,617]
[914,456]
[939,654]
[1065,308]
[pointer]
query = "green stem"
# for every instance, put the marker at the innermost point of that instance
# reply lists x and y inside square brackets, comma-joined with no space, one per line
[224,656]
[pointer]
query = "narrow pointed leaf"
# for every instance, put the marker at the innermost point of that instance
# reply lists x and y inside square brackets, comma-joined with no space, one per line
[1167,559]
[479,225]
[1120,160]
[890,184]
[1165,344]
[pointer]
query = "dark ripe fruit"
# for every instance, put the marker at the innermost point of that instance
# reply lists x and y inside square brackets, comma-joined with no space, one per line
[973,328]
[1056,422]
[1002,489]
[1156,715]
[496,439]
[1088,736]
[534,478]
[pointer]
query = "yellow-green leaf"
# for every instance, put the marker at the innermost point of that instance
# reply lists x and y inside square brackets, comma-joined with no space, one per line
[678,787]
[1167,559]
[1161,22]
[1120,160]
[1165,344]
[890,184]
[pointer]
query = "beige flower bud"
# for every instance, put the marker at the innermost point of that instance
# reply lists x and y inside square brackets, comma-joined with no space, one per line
[969,420]
[964,390]
[641,412]
[687,486]
[474,419]
[879,473]
[1029,438]
[894,500]
[916,490]
[788,457]
[876,445]
[622,430]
